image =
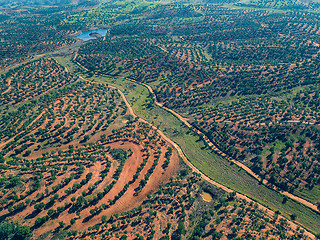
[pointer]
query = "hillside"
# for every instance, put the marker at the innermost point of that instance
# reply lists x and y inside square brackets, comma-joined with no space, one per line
[188,120]
[15,3]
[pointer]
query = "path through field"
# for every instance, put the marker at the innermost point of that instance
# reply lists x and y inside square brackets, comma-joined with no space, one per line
[184,158]
[217,150]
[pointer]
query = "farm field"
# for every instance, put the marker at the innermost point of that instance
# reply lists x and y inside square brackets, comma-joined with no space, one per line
[88,164]
[205,159]
[187,120]
[73,154]
[254,96]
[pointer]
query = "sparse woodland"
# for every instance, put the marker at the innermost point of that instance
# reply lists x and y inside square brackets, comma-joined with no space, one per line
[251,88]
[75,164]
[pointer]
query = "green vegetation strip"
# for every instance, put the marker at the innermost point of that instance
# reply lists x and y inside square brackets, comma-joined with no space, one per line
[205,160]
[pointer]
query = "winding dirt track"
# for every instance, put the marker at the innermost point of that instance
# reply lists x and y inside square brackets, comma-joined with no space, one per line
[181,154]
[217,150]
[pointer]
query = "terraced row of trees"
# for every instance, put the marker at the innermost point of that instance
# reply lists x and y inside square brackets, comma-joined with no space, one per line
[72,159]
[211,66]
[71,153]
[31,80]
[28,28]
[178,211]
[252,62]
[277,138]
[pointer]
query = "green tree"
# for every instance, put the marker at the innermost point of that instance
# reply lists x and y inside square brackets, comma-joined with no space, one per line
[14,231]
[39,206]
[61,224]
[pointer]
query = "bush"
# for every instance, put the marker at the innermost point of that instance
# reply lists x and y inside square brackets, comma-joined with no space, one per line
[119,154]
[14,231]
[293,216]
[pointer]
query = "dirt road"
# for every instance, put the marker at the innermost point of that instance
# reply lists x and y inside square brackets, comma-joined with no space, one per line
[217,150]
[181,154]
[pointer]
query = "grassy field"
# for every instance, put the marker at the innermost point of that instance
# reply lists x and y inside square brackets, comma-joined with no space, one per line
[310,195]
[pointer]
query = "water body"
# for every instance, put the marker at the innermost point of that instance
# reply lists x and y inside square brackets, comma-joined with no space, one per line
[87,35]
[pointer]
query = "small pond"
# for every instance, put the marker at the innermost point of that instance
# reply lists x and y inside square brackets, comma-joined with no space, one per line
[89,35]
